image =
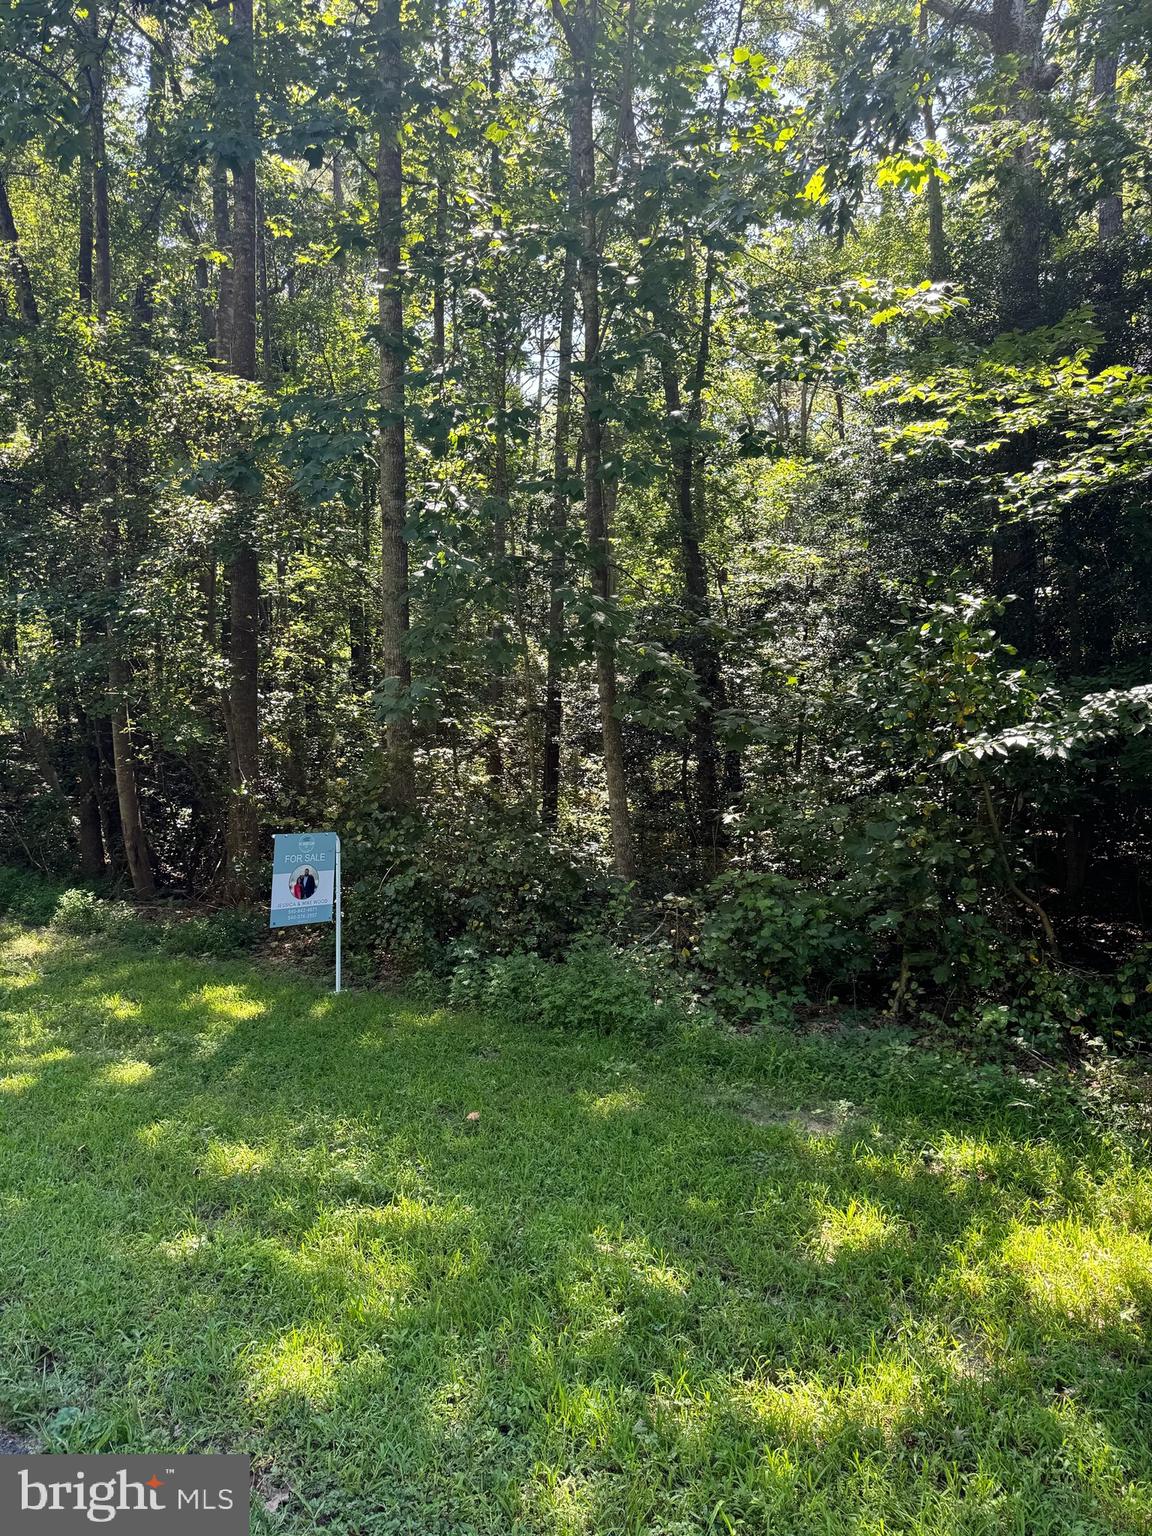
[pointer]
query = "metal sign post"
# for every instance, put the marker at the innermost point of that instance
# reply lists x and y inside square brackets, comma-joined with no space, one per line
[337,914]
[306,883]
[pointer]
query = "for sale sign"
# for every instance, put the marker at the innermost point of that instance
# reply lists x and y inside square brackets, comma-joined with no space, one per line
[304,872]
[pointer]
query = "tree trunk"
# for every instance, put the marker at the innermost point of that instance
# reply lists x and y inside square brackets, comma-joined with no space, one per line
[439,253]
[498,481]
[267,354]
[393,464]
[124,759]
[243,708]
[688,468]
[579,27]
[16,265]
[1024,219]
[90,834]
[938,264]
[1110,209]
[561,470]
[702,652]
[102,248]
[222,234]
[243,328]
[85,227]
[242,714]
[144,299]
[1015,32]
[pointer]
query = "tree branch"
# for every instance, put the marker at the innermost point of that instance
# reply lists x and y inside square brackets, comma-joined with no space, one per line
[967,15]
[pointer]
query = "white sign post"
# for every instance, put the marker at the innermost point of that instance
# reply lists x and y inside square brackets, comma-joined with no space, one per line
[337,914]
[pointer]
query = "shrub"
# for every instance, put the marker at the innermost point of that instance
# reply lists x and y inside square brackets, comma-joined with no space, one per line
[1022,997]
[596,988]
[28,896]
[767,939]
[83,913]
[222,933]
[470,875]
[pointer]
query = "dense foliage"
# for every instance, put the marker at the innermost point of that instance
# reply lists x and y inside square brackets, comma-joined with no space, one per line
[671,475]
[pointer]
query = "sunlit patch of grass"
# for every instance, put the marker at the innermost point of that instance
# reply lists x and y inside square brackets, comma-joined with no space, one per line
[117,1006]
[229,1002]
[858,1227]
[303,1363]
[622,1102]
[1094,1276]
[124,1074]
[652,1291]
[234,1160]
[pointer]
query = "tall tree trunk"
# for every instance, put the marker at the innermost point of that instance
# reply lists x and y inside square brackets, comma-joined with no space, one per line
[498,482]
[439,253]
[206,320]
[222,234]
[689,489]
[1024,215]
[242,715]
[939,267]
[1015,32]
[267,357]
[1111,257]
[90,835]
[561,497]
[14,260]
[144,299]
[393,463]
[135,844]
[701,647]
[579,26]
[1110,209]
[102,246]
[86,238]
[243,329]
[124,759]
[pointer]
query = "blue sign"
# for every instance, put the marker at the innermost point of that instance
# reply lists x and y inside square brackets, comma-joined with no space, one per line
[305,878]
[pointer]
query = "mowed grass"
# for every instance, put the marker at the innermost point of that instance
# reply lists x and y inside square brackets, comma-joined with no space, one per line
[771,1284]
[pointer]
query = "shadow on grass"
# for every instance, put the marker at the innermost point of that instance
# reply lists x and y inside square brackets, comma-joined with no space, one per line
[243,1215]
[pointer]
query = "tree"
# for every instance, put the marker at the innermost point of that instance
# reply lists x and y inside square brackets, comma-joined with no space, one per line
[580,29]
[394,624]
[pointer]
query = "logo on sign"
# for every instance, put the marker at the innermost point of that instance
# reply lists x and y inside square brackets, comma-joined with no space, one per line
[49,1494]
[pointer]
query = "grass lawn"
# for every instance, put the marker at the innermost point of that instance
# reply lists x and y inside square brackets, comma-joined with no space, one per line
[770,1284]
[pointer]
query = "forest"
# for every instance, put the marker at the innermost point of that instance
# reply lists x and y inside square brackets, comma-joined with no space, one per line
[666,480]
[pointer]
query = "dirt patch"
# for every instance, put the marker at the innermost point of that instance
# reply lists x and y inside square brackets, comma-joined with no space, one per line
[813,1122]
[13,1445]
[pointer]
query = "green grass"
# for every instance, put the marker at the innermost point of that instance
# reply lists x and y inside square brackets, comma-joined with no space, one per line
[774,1284]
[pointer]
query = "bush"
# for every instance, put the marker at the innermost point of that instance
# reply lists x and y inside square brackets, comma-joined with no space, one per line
[83,913]
[471,875]
[767,939]
[222,933]
[596,988]
[28,896]
[1020,997]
